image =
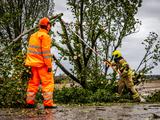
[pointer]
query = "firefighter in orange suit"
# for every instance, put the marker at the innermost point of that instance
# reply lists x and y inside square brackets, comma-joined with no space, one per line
[39,59]
[126,76]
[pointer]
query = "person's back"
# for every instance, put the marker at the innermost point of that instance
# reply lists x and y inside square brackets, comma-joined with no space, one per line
[39,59]
[35,52]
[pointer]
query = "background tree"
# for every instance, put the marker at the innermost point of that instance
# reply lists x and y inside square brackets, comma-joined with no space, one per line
[18,15]
[102,25]
[151,57]
[120,19]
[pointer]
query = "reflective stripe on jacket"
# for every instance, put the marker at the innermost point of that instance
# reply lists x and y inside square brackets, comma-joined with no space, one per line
[38,52]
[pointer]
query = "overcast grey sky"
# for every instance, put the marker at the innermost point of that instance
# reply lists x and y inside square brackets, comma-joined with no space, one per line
[132,49]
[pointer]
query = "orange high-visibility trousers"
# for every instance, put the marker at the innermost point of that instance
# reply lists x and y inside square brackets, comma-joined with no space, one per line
[41,73]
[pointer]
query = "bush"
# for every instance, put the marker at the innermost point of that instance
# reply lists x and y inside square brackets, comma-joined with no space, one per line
[154,97]
[73,95]
[13,84]
[12,93]
[102,95]
[79,95]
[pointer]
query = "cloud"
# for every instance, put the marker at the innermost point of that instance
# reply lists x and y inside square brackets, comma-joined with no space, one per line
[61,7]
[150,8]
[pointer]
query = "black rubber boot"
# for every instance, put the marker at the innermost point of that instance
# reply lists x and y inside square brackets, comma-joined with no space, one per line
[50,107]
[30,106]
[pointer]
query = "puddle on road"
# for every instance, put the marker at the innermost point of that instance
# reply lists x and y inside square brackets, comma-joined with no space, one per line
[110,112]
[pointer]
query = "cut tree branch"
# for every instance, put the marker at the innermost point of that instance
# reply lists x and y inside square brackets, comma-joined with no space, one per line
[65,70]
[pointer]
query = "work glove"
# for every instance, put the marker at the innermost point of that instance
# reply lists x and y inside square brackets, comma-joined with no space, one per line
[49,69]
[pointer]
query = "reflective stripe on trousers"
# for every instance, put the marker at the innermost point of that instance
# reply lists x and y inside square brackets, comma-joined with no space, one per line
[30,97]
[47,95]
[48,99]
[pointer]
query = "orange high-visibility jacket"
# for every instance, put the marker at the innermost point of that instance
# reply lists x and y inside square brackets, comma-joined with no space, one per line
[38,52]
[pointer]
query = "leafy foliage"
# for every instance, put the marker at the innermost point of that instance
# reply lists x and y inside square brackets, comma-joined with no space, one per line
[13,87]
[78,95]
[72,95]
[155,97]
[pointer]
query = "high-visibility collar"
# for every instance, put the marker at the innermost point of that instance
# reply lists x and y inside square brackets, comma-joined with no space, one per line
[43,30]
